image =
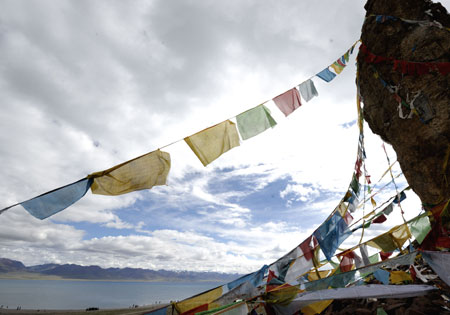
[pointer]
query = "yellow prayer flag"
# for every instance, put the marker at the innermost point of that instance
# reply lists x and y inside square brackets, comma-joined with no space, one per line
[374,204]
[212,142]
[312,275]
[337,68]
[400,234]
[383,242]
[392,239]
[143,172]
[398,277]
[316,307]
[199,300]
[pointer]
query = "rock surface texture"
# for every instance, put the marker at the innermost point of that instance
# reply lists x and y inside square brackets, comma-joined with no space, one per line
[422,142]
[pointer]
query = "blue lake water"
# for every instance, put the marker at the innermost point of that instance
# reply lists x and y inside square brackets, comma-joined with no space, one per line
[62,294]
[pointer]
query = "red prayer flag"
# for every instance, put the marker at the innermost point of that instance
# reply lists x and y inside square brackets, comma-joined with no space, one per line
[380,219]
[288,101]
[307,249]
[384,255]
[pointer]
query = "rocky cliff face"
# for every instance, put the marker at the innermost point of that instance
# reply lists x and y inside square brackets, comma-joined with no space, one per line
[422,141]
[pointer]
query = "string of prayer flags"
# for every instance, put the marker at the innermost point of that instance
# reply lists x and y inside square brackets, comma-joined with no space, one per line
[143,172]
[254,121]
[377,291]
[407,67]
[214,141]
[56,200]
[308,90]
[384,18]
[288,101]
[235,308]
[326,75]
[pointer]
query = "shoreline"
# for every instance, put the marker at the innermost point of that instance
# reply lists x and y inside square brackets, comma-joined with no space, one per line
[31,276]
[125,311]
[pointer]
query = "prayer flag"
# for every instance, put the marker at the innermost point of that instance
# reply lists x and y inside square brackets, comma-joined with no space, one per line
[391,240]
[143,172]
[440,263]
[388,210]
[364,254]
[288,101]
[316,307]
[384,255]
[254,121]
[307,249]
[420,228]
[382,276]
[399,198]
[383,242]
[337,67]
[379,219]
[254,278]
[354,185]
[214,141]
[199,302]
[326,75]
[308,90]
[399,276]
[331,234]
[56,200]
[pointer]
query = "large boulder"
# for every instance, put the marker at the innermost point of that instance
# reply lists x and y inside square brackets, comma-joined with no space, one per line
[422,142]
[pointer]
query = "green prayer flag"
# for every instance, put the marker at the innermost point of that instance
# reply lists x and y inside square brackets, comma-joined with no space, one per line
[420,228]
[354,185]
[381,311]
[374,258]
[254,121]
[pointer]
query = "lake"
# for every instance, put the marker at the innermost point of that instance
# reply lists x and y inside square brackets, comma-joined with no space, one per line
[68,294]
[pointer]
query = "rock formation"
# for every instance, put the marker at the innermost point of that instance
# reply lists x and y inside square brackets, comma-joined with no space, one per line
[421,140]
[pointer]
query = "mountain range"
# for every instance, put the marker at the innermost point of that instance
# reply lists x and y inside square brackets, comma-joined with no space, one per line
[16,269]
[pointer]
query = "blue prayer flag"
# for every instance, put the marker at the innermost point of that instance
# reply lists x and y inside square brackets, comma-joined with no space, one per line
[331,234]
[56,200]
[402,197]
[326,75]
[382,276]
[160,311]
[254,278]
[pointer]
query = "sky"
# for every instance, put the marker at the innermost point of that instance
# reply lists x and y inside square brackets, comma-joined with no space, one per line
[86,85]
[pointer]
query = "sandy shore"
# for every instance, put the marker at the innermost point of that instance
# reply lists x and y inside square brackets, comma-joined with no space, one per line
[128,311]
